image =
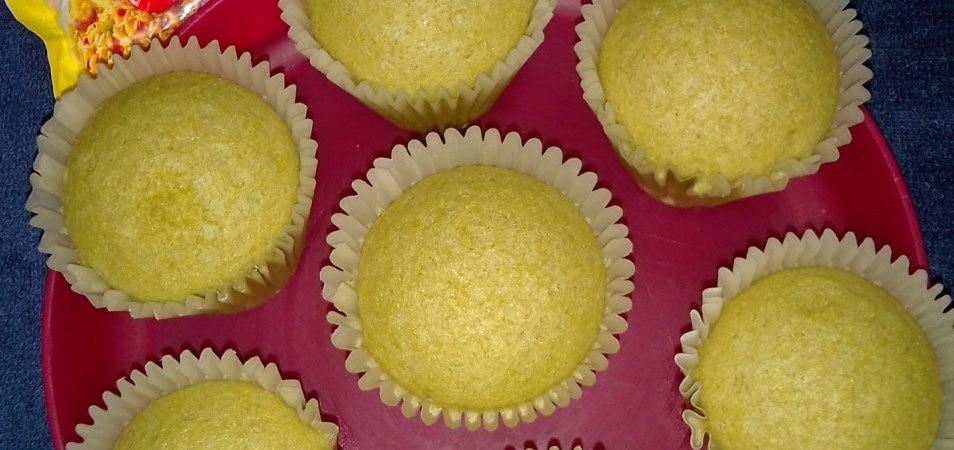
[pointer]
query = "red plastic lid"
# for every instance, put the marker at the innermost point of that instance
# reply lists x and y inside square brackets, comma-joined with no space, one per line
[634,404]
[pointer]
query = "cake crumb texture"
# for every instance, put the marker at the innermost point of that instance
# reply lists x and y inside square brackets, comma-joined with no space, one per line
[818,357]
[729,87]
[480,288]
[215,415]
[178,184]
[411,45]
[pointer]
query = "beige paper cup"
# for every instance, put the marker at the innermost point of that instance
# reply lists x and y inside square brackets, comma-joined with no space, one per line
[555,447]
[454,107]
[261,279]
[140,389]
[411,163]
[925,304]
[662,182]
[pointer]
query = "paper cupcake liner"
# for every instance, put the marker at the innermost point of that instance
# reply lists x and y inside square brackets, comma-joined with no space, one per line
[407,165]
[414,110]
[261,279]
[555,447]
[697,190]
[140,389]
[925,304]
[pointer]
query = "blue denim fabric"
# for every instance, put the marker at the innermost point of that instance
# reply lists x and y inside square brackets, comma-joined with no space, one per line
[912,101]
[26,99]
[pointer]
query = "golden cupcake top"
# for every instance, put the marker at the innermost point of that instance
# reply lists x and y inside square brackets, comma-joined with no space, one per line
[178,184]
[730,87]
[419,45]
[817,355]
[480,288]
[222,415]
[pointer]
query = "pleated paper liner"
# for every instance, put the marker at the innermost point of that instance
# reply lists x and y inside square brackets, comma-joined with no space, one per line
[409,164]
[261,279]
[417,111]
[661,181]
[925,304]
[140,389]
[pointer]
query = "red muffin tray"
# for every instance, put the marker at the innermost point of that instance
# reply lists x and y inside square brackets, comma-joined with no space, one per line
[634,404]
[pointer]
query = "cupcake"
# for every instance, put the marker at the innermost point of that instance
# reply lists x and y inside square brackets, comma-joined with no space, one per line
[710,101]
[477,279]
[822,341]
[421,65]
[207,402]
[168,187]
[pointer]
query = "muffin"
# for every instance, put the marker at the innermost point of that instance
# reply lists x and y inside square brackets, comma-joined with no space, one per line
[207,402]
[705,118]
[421,65]
[168,187]
[818,340]
[488,257]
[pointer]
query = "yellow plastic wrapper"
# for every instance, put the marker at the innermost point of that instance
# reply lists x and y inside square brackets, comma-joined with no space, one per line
[80,34]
